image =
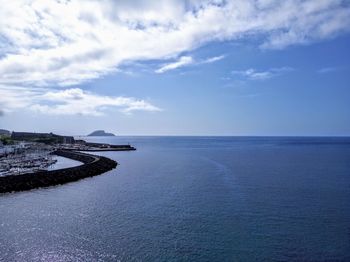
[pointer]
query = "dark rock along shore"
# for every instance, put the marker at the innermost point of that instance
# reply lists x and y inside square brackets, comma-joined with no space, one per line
[93,166]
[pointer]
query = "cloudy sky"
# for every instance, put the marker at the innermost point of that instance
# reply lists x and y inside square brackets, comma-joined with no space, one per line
[210,67]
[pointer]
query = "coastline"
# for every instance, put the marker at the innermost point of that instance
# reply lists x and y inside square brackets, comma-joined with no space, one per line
[93,165]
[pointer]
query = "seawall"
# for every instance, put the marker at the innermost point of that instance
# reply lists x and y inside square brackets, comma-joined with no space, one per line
[92,166]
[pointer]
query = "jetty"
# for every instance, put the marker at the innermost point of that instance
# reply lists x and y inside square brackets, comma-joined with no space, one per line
[26,157]
[93,165]
[81,145]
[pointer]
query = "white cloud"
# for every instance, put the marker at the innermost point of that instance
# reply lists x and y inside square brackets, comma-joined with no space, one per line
[327,70]
[68,102]
[253,74]
[187,60]
[14,98]
[46,43]
[64,43]
[182,61]
[213,59]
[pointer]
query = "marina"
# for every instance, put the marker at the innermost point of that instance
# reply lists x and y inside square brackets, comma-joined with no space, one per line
[25,158]
[33,152]
[92,166]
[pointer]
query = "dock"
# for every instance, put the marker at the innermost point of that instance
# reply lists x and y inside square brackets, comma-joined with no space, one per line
[93,166]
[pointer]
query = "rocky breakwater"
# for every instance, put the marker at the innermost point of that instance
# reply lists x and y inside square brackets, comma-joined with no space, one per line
[92,166]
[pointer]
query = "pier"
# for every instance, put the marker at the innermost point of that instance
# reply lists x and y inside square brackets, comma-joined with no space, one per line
[92,166]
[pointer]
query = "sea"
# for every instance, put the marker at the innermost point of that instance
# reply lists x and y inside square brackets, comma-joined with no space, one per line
[192,199]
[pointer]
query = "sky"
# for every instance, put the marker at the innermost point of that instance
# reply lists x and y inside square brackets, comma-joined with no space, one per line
[210,67]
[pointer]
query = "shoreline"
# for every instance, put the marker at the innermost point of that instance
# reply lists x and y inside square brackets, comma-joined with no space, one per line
[93,165]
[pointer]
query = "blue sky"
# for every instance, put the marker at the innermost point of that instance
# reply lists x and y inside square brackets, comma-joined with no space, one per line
[257,67]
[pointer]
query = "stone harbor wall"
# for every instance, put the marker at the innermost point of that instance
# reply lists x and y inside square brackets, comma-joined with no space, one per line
[92,166]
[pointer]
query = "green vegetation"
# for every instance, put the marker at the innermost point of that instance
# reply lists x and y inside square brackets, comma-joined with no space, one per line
[6,140]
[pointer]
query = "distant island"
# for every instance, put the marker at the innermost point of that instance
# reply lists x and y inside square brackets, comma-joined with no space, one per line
[100,133]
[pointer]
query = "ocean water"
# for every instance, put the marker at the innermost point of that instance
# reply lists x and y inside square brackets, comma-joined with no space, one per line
[192,199]
[63,162]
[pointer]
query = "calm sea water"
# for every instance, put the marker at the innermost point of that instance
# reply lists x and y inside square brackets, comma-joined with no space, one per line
[63,162]
[192,199]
